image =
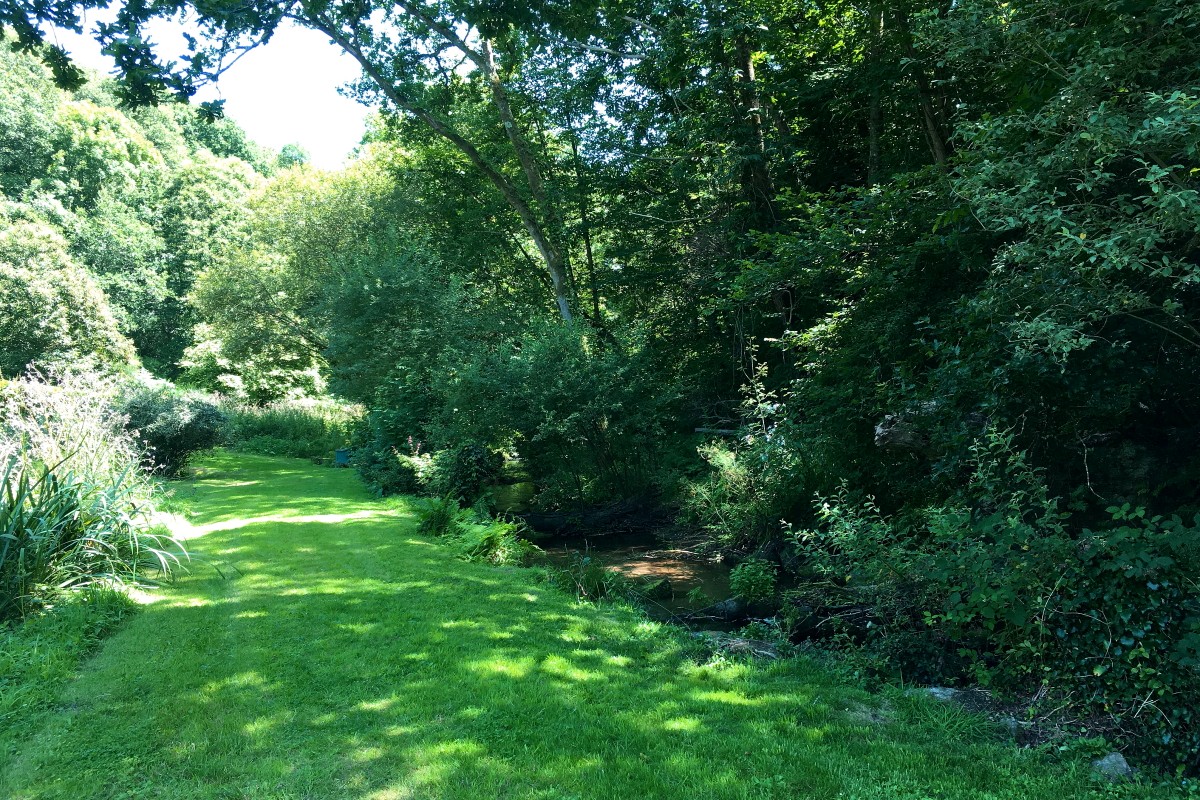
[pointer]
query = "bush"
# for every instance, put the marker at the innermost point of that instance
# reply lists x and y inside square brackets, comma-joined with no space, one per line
[298,429]
[171,424]
[74,499]
[1003,591]
[495,542]
[588,579]
[463,472]
[388,471]
[753,580]
[441,516]
[588,415]
[768,474]
[69,419]
[749,489]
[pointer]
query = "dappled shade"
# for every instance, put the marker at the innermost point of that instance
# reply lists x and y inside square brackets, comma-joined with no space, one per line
[319,648]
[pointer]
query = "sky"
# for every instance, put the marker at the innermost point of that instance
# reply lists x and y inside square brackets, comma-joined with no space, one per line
[284,92]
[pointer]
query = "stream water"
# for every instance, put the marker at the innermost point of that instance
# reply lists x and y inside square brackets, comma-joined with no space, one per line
[639,559]
[684,573]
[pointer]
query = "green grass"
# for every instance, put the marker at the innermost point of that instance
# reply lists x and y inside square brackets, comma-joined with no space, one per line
[39,657]
[337,654]
[302,429]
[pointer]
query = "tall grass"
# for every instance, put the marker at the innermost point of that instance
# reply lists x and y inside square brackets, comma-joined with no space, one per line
[69,419]
[296,428]
[75,501]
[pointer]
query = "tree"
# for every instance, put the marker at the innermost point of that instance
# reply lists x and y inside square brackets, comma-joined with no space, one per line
[415,57]
[97,149]
[53,310]
[127,258]
[28,99]
[292,155]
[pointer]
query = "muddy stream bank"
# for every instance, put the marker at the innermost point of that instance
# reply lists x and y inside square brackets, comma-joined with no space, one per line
[626,538]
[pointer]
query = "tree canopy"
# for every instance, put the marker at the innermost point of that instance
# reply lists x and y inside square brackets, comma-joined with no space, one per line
[907,291]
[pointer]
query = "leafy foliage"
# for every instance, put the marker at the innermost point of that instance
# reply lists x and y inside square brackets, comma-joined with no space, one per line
[40,657]
[53,310]
[61,531]
[74,500]
[442,516]
[298,429]
[1018,596]
[851,240]
[754,580]
[585,577]
[495,542]
[171,424]
[463,473]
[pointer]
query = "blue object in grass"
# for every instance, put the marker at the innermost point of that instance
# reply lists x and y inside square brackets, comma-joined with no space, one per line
[341,457]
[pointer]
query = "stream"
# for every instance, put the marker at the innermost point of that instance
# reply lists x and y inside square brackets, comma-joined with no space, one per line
[641,558]
[683,571]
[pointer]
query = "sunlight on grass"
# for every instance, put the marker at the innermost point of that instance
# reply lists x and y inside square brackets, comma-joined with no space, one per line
[184,530]
[319,649]
[512,668]
[685,724]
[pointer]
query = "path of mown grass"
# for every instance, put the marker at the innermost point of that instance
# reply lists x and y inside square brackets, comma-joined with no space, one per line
[343,656]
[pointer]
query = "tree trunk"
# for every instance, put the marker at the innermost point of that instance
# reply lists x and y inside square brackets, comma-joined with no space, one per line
[875,111]
[756,177]
[533,174]
[929,117]
[552,258]
[585,222]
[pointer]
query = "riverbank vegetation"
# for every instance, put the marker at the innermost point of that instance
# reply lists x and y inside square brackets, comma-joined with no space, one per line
[894,303]
[340,653]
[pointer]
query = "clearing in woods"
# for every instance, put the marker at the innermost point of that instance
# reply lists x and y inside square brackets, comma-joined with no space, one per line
[338,654]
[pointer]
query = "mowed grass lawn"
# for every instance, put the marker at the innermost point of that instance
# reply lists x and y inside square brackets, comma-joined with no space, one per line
[338,654]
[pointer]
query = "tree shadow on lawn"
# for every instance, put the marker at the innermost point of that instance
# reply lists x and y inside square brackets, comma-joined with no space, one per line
[351,659]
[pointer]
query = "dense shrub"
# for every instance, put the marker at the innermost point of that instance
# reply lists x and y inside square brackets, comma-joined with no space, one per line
[495,542]
[754,580]
[74,498]
[68,419]
[388,471]
[754,482]
[171,424]
[473,534]
[588,579]
[750,487]
[463,472]
[588,417]
[442,516]
[59,530]
[298,428]
[1003,590]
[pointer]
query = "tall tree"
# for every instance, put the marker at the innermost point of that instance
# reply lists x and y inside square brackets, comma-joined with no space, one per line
[412,54]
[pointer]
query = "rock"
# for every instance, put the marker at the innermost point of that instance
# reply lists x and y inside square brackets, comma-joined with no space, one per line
[1012,726]
[862,714]
[731,643]
[943,693]
[728,609]
[768,552]
[895,432]
[659,589]
[1113,766]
